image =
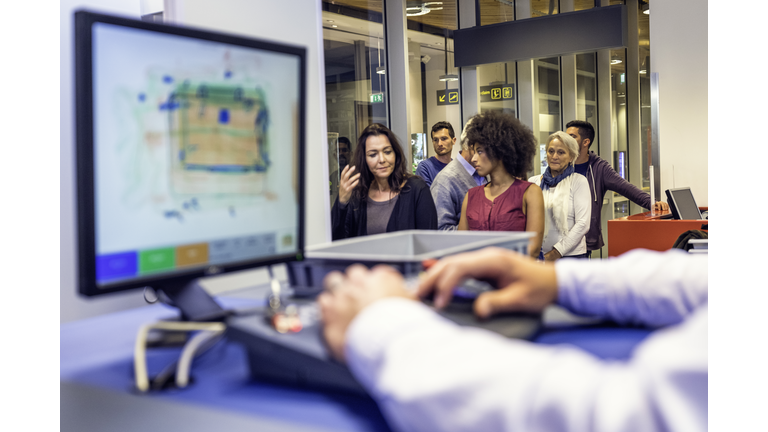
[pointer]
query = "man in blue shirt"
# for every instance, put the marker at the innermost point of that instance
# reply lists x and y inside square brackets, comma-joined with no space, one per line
[443,139]
[451,184]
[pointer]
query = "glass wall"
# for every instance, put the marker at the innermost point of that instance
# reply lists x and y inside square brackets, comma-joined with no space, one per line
[547,83]
[355,84]
[620,154]
[645,95]
[586,88]
[497,83]
[566,88]
[355,69]
[545,93]
[434,81]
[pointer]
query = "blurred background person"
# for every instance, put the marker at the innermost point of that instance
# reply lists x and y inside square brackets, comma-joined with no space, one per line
[377,194]
[601,177]
[341,154]
[566,200]
[443,139]
[452,183]
[503,150]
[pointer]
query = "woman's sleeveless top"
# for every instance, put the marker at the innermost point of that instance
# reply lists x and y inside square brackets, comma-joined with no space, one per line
[505,213]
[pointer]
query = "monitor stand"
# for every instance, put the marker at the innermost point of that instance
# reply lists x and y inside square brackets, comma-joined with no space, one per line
[194,303]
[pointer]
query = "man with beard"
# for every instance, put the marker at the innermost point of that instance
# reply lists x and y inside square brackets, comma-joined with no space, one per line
[602,178]
[443,139]
[451,184]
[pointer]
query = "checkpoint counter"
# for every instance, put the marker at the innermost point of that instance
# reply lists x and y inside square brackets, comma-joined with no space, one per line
[647,232]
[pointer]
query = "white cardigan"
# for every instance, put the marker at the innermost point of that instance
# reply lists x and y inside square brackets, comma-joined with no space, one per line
[579,213]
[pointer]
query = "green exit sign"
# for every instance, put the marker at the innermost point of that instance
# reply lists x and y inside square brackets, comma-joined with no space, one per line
[377,98]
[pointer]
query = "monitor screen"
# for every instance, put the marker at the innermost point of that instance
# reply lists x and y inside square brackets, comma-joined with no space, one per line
[682,204]
[189,152]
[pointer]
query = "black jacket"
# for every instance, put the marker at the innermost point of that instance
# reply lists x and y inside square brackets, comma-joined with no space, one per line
[414,209]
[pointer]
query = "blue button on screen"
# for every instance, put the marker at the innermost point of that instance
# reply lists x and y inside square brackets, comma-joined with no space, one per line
[116,266]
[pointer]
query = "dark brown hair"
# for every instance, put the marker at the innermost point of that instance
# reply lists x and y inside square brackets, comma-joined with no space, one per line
[399,173]
[440,126]
[505,139]
[586,131]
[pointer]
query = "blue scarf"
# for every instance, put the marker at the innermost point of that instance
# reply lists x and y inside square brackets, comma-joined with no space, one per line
[547,181]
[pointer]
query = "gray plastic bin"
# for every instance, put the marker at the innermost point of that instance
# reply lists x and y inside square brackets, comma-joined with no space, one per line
[404,250]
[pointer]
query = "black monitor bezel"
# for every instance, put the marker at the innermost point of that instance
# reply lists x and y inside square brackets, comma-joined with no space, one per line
[672,202]
[84,154]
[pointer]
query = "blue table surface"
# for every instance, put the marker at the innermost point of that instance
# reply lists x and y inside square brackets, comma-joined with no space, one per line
[98,352]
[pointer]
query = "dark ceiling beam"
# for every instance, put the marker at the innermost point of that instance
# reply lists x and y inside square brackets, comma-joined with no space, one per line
[548,36]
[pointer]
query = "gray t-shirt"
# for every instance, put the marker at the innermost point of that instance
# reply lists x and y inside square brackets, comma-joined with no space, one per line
[378,215]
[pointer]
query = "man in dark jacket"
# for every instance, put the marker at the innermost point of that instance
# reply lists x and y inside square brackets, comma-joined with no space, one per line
[601,178]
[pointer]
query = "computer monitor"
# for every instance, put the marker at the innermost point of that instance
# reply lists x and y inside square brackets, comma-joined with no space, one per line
[190,156]
[682,205]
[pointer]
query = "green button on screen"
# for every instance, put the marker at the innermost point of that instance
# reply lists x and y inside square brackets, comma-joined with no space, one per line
[157,259]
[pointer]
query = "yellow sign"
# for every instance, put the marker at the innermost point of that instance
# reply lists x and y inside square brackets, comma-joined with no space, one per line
[452,99]
[498,92]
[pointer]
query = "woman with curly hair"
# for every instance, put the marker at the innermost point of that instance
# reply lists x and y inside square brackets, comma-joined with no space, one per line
[383,196]
[504,150]
[567,200]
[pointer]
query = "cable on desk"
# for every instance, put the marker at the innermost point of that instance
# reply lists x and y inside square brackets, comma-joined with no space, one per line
[140,349]
[159,381]
[189,352]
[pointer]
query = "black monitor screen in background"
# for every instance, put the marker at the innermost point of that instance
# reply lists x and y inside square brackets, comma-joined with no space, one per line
[189,152]
[683,203]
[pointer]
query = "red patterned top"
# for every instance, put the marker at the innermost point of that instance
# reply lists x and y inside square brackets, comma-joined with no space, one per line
[504,213]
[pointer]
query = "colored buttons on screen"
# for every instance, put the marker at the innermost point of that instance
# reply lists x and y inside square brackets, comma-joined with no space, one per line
[154,260]
[116,266]
[194,254]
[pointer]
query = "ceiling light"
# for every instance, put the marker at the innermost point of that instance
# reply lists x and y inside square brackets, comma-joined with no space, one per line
[334,26]
[615,59]
[447,76]
[646,9]
[380,70]
[330,21]
[422,9]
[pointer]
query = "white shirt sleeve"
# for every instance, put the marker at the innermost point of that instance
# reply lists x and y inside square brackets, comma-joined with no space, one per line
[581,207]
[640,287]
[428,374]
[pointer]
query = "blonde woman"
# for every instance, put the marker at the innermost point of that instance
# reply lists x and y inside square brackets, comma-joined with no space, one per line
[566,200]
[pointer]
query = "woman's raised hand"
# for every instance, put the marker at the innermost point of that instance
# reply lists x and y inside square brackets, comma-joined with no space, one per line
[347,183]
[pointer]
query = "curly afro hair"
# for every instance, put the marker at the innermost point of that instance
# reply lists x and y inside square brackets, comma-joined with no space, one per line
[504,138]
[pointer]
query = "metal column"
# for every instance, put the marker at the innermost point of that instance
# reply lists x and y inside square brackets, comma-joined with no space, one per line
[470,97]
[397,72]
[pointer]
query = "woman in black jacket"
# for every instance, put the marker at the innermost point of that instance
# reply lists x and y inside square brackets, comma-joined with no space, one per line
[377,194]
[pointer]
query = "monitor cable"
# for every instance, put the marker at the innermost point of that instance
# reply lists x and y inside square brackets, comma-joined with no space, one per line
[190,351]
[210,330]
[167,376]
